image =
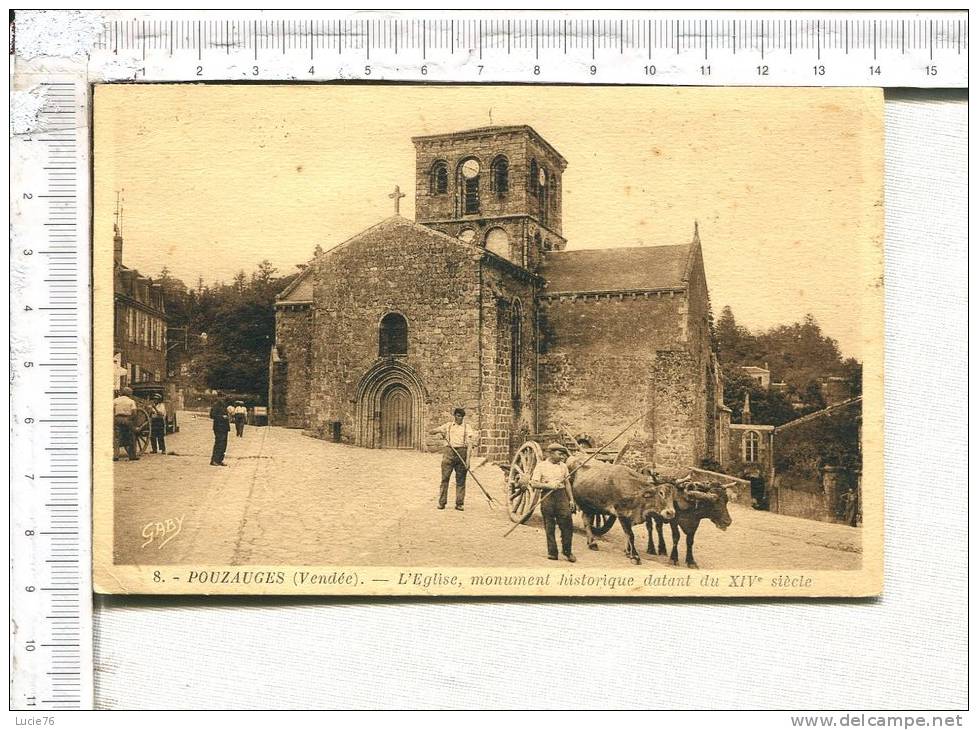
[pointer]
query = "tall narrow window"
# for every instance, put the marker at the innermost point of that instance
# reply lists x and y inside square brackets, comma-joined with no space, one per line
[752,443]
[499,179]
[469,173]
[393,335]
[439,178]
[552,197]
[534,177]
[516,354]
[542,177]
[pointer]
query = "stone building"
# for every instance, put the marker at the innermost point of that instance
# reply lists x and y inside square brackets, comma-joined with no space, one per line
[760,375]
[478,303]
[750,456]
[140,324]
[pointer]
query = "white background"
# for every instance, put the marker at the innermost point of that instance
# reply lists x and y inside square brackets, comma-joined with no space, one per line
[906,650]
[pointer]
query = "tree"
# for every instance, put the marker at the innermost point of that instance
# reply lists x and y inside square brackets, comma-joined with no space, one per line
[852,370]
[798,354]
[239,319]
[769,407]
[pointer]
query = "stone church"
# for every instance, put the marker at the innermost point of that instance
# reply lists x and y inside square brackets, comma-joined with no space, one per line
[478,303]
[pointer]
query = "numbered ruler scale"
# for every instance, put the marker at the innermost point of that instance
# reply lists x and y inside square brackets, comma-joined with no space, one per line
[50,515]
[855,49]
[51,603]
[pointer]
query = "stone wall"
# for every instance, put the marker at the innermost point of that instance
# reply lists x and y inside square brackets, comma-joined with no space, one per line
[701,348]
[433,281]
[597,360]
[506,420]
[738,466]
[288,384]
[516,211]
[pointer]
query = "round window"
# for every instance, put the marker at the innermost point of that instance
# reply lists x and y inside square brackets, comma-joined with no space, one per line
[468,235]
[497,241]
[470,169]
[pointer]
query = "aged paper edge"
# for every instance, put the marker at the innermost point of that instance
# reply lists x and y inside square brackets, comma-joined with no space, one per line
[112,579]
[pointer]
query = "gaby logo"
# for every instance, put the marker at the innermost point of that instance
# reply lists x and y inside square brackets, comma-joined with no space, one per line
[162,531]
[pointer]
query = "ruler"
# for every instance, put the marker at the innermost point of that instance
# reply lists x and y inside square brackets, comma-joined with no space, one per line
[50,522]
[50,514]
[696,48]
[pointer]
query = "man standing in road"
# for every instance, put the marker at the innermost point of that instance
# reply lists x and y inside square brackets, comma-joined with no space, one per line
[557,506]
[222,424]
[123,409]
[238,414]
[157,425]
[459,437]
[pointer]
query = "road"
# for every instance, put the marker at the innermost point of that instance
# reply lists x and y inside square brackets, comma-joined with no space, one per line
[289,499]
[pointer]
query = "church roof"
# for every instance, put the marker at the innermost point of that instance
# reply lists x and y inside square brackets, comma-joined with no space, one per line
[640,268]
[299,291]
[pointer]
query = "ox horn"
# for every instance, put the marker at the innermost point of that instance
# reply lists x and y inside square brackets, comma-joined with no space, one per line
[697,494]
[730,485]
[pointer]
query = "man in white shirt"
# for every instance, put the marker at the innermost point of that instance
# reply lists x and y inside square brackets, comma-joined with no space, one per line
[455,456]
[552,476]
[157,425]
[238,415]
[123,408]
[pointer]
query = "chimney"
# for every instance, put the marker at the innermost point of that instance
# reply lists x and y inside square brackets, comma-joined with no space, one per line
[117,241]
[117,230]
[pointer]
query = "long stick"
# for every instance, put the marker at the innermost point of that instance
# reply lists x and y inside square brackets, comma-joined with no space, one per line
[470,472]
[571,473]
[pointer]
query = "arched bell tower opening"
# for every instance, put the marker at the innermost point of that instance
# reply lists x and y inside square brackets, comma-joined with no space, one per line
[504,193]
[390,407]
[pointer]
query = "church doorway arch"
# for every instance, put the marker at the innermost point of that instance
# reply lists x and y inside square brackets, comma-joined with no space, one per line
[396,418]
[390,403]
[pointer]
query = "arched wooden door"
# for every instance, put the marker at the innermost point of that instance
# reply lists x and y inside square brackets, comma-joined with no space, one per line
[396,418]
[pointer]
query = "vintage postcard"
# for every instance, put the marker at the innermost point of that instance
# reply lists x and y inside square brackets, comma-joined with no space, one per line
[488,340]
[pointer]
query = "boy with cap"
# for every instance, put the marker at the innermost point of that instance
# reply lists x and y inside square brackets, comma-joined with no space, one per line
[455,456]
[557,505]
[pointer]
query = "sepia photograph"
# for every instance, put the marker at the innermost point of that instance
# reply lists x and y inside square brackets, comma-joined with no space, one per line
[408,339]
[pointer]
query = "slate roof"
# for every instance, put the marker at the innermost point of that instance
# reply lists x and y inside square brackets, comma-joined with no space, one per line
[299,290]
[641,268]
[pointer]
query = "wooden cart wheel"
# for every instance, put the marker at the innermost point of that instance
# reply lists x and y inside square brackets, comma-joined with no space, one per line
[140,430]
[522,500]
[600,523]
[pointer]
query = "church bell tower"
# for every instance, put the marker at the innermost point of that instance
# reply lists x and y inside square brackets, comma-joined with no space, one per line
[497,187]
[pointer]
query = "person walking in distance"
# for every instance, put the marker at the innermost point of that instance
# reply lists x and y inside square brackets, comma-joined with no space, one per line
[239,414]
[123,410]
[557,506]
[459,437]
[157,425]
[222,424]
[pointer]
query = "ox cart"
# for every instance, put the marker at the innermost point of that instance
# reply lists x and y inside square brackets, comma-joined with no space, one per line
[521,499]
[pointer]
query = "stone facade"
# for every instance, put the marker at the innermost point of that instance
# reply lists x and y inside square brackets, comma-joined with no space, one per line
[528,212]
[522,333]
[289,367]
[139,334]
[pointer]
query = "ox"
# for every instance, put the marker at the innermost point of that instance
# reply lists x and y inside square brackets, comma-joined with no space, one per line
[694,501]
[614,489]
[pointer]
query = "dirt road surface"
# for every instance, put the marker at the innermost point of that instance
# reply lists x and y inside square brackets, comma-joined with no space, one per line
[289,499]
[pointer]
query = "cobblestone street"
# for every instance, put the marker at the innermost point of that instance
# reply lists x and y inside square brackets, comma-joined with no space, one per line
[286,498]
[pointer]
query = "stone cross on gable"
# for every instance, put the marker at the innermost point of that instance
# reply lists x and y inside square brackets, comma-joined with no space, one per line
[396,196]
